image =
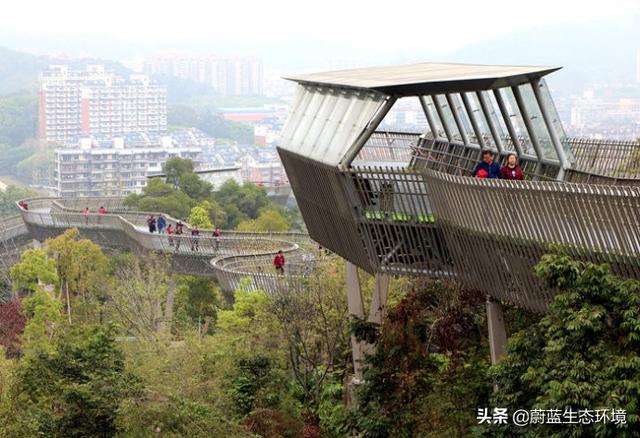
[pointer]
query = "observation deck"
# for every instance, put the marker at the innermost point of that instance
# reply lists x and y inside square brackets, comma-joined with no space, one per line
[406,204]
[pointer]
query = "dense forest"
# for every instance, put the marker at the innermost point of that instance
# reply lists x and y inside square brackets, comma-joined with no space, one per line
[114,345]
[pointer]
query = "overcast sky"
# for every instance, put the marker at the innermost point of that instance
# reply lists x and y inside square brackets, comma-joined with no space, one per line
[434,25]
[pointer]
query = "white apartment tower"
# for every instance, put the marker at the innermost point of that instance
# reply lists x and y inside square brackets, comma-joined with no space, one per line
[80,103]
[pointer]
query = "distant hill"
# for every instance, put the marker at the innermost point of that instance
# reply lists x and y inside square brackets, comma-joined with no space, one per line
[600,51]
[19,71]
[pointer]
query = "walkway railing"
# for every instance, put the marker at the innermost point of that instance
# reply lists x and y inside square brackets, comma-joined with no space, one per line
[496,230]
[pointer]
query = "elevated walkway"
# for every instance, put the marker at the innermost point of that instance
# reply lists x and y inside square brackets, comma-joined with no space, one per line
[230,258]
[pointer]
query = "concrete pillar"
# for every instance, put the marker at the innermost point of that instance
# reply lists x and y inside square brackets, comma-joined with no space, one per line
[355,307]
[497,333]
[379,299]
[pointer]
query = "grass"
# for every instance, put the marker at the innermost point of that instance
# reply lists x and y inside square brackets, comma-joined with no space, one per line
[397,216]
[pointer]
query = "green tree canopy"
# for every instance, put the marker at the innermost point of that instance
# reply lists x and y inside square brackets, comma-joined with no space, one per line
[248,198]
[175,168]
[9,197]
[194,187]
[583,354]
[199,217]
[269,219]
[76,388]
[34,268]
[82,268]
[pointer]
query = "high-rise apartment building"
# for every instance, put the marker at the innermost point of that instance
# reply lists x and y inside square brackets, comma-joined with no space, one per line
[119,166]
[228,76]
[76,103]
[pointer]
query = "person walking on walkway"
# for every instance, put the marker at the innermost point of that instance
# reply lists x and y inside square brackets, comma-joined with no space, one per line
[216,235]
[151,222]
[101,211]
[162,223]
[179,231]
[487,168]
[278,262]
[195,233]
[170,234]
[512,170]
[86,213]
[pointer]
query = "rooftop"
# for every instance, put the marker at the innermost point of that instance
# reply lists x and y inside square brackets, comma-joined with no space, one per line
[427,77]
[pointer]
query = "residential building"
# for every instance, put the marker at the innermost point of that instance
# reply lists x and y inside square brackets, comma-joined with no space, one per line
[117,166]
[76,103]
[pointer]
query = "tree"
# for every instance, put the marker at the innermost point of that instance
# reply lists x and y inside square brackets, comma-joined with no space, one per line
[12,322]
[10,195]
[144,295]
[197,303]
[175,168]
[194,187]
[583,354]
[428,372]
[76,389]
[313,324]
[157,188]
[269,219]
[82,268]
[248,198]
[44,320]
[34,268]
[158,196]
[199,217]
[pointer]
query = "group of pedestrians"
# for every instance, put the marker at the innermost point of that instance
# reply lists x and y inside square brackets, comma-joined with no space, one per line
[489,168]
[161,226]
[87,212]
[158,224]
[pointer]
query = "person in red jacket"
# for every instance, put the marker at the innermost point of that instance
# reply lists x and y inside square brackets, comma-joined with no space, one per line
[278,262]
[512,170]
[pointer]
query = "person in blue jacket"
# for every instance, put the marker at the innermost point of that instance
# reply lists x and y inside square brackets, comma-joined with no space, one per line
[162,223]
[488,165]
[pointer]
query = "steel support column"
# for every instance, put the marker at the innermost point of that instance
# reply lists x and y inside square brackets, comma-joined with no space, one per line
[362,139]
[507,121]
[473,120]
[457,119]
[491,121]
[429,116]
[443,120]
[564,163]
[497,332]
[527,123]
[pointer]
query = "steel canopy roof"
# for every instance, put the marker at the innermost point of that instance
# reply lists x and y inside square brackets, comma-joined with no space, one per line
[426,78]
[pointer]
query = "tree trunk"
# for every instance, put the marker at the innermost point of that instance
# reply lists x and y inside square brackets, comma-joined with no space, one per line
[168,306]
[66,288]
